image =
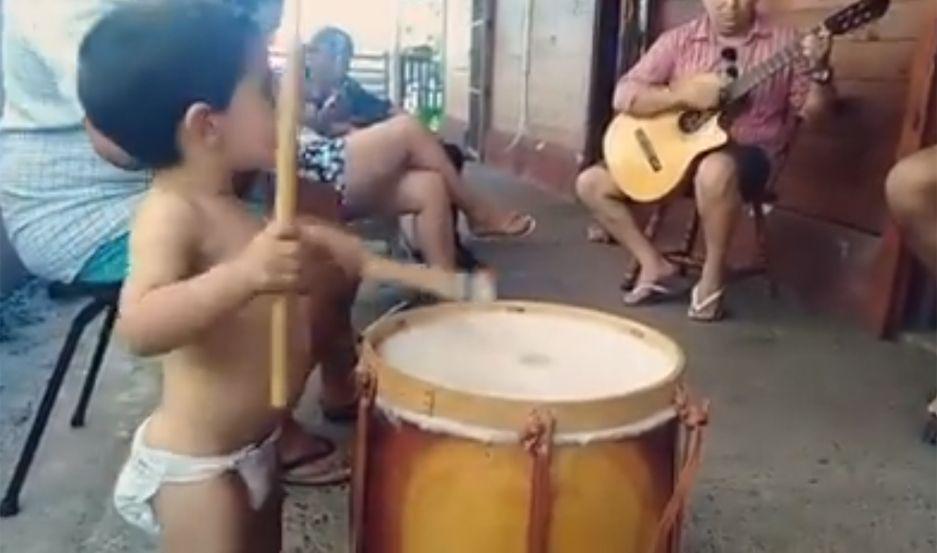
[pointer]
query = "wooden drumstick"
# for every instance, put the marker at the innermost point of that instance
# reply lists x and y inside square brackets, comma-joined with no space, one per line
[452,285]
[477,286]
[288,111]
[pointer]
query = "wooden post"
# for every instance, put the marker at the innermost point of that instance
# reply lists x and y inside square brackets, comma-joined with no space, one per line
[288,114]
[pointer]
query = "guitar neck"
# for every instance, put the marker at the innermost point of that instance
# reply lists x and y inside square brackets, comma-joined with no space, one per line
[851,17]
[761,72]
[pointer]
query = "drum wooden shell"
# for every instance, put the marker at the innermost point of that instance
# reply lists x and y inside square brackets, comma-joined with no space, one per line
[429,488]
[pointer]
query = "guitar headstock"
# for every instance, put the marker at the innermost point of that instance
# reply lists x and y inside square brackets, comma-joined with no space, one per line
[855,15]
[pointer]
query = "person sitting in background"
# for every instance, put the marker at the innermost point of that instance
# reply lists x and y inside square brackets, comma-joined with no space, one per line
[339,105]
[911,191]
[688,68]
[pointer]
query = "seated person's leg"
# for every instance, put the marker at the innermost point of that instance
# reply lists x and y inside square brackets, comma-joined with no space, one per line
[424,195]
[333,291]
[333,340]
[379,155]
[598,192]
[721,179]
[911,190]
[464,258]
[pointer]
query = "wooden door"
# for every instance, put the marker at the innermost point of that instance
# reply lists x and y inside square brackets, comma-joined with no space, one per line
[622,34]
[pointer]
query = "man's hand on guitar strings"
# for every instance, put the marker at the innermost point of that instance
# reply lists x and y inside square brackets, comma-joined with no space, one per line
[702,92]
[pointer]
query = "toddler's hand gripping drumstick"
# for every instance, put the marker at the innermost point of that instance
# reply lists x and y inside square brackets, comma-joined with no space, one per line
[287,126]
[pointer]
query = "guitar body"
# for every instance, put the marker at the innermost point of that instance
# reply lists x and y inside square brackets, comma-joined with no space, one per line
[648,157]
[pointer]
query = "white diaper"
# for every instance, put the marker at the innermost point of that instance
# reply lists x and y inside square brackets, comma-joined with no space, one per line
[147,469]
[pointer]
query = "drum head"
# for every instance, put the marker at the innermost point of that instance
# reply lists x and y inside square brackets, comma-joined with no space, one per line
[530,352]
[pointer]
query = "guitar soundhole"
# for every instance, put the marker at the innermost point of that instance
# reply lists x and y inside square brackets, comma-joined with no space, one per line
[690,121]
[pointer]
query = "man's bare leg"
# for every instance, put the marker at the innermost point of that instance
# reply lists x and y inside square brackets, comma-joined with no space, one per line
[598,192]
[719,202]
[306,456]
[330,299]
[379,155]
[911,190]
[333,337]
[424,195]
[214,516]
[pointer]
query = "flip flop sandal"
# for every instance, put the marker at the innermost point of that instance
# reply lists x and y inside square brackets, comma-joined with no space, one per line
[597,235]
[333,468]
[527,227]
[929,435]
[709,310]
[650,293]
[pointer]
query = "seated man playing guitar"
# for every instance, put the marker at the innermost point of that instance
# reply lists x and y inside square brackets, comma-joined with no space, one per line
[689,68]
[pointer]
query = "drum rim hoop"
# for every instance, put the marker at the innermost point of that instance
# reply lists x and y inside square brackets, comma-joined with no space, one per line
[408,393]
[496,436]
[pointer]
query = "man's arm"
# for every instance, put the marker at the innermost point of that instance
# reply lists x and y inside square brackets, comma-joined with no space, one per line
[643,89]
[325,121]
[343,248]
[649,100]
[646,89]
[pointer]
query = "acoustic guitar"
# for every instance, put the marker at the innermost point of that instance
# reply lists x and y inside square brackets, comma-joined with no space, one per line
[648,157]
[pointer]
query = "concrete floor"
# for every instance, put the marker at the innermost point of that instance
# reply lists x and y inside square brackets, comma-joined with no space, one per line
[813,445]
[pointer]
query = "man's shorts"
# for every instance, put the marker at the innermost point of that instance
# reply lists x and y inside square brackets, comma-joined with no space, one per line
[754,167]
[323,160]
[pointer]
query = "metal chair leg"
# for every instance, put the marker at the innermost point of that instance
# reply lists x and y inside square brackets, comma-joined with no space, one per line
[9,506]
[683,257]
[104,338]
[689,236]
[761,238]
[650,231]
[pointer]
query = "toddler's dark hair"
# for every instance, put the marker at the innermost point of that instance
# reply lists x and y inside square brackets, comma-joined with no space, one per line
[143,65]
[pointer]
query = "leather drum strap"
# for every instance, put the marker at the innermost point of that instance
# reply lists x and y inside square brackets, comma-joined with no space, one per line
[359,476]
[693,416]
[538,441]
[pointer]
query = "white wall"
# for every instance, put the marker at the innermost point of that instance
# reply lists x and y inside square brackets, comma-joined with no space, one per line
[371,23]
[561,58]
[458,46]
